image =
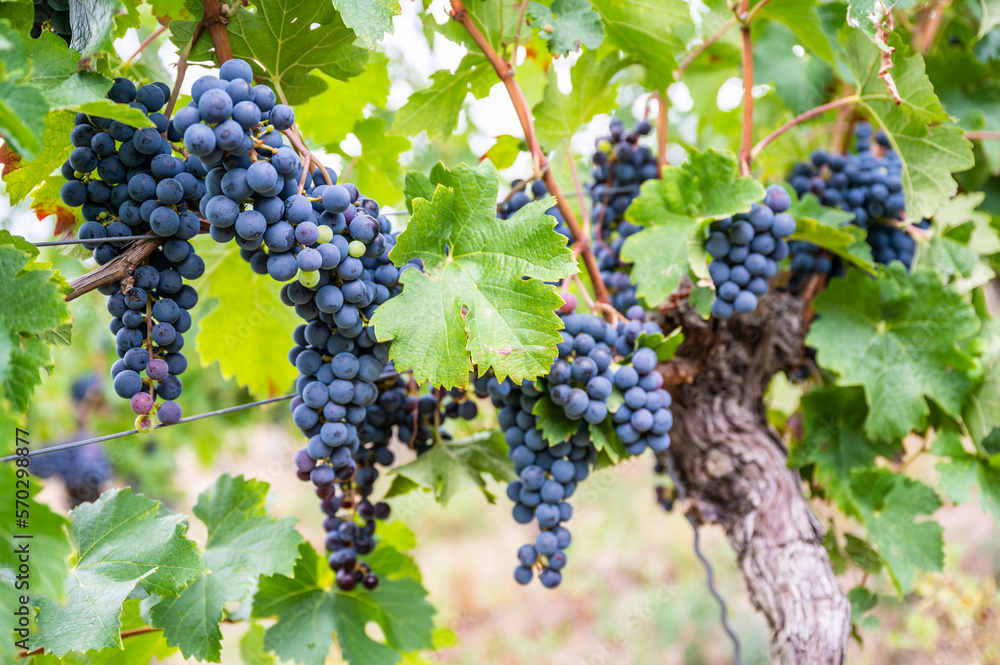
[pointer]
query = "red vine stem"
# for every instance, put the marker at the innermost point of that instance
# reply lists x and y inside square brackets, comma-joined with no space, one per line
[662,130]
[506,74]
[125,633]
[747,138]
[701,48]
[982,135]
[146,42]
[182,64]
[802,117]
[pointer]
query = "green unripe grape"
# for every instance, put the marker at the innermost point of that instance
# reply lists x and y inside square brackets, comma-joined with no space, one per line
[325,234]
[356,249]
[145,423]
[309,278]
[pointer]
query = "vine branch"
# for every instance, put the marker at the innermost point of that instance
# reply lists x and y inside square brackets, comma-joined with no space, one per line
[506,74]
[662,131]
[182,64]
[701,48]
[146,42]
[747,137]
[216,23]
[802,117]
[982,135]
[124,634]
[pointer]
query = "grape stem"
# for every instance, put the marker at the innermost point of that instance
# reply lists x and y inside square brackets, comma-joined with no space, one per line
[506,74]
[146,42]
[982,135]
[747,57]
[701,48]
[802,117]
[182,64]
[662,131]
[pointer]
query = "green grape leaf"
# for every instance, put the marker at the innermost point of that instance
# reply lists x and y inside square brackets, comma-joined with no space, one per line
[890,504]
[280,38]
[961,214]
[652,32]
[139,648]
[244,542]
[673,209]
[809,207]
[979,411]
[552,420]
[473,306]
[309,614]
[862,555]
[349,97]
[87,92]
[369,19]
[607,443]
[961,470]
[451,466]
[802,18]
[24,349]
[90,23]
[22,106]
[896,336]
[435,108]
[247,317]
[929,151]
[505,151]
[376,171]
[121,541]
[665,346]
[847,242]
[834,440]
[9,604]
[496,19]
[559,116]
[951,257]
[252,650]
[24,176]
[49,544]
[567,24]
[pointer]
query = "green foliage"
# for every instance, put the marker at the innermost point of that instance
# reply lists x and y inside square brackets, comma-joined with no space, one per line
[930,150]
[897,337]
[651,32]
[453,465]
[369,20]
[471,306]
[246,319]
[567,24]
[559,116]
[244,542]
[673,209]
[435,109]
[309,614]
[890,507]
[121,542]
[26,333]
[279,37]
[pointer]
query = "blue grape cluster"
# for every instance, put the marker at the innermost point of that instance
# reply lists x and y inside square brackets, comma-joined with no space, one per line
[52,16]
[128,181]
[868,184]
[581,380]
[620,166]
[83,470]
[746,249]
[547,476]
[520,198]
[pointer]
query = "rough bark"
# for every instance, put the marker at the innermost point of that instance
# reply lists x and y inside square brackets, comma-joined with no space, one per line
[733,465]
